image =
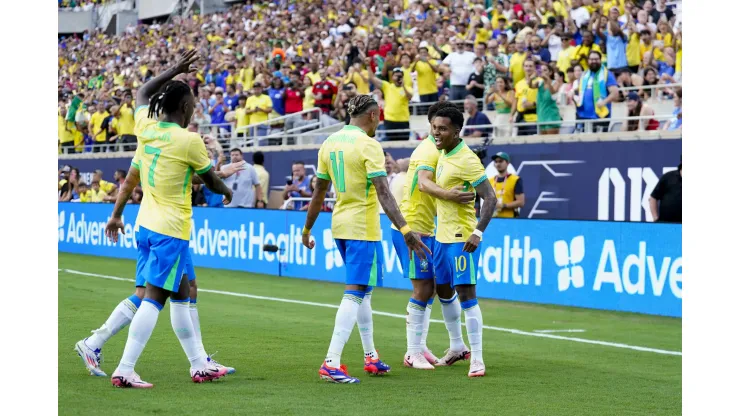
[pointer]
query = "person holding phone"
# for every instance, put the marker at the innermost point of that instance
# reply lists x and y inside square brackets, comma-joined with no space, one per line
[299,186]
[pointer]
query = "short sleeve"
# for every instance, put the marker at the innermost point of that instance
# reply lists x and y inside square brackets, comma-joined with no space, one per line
[519,186]
[254,176]
[136,161]
[322,170]
[374,159]
[198,156]
[472,170]
[659,190]
[610,80]
[142,120]
[428,160]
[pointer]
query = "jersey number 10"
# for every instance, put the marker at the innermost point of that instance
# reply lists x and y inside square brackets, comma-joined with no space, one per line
[337,166]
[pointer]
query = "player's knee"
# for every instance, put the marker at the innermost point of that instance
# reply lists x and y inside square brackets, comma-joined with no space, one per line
[465,292]
[445,292]
[193,289]
[140,292]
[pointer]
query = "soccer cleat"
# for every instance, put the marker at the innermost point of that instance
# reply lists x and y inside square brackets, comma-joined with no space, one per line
[430,357]
[229,370]
[91,358]
[477,369]
[336,375]
[417,361]
[451,357]
[130,381]
[209,373]
[375,366]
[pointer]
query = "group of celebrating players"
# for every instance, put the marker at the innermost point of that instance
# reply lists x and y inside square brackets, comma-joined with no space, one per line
[443,178]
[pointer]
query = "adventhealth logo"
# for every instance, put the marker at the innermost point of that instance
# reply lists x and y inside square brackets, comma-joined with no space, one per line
[333,257]
[61,226]
[568,256]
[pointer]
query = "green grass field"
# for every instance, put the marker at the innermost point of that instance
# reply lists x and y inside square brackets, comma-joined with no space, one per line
[277,348]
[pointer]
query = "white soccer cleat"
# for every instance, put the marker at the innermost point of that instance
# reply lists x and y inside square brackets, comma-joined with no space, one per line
[229,370]
[131,381]
[451,357]
[477,369]
[431,358]
[91,358]
[209,373]
[417,361]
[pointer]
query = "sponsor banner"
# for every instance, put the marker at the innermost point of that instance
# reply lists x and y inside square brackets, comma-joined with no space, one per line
[584,181]
[631,267]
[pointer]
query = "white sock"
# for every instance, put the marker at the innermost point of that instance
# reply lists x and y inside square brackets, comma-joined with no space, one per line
[183,327]
[118,319]
[141,329]
[196,326]
[451,312]
[365,325]
[343,325]
[425,327]
[474,326]
[415,313]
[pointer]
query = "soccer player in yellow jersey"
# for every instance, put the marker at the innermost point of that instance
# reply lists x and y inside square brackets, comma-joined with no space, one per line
[418,206]
[167,156]
[354,163]
[458,235]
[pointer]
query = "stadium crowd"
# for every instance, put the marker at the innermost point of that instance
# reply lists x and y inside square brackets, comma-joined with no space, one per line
[79,5]
[522,59]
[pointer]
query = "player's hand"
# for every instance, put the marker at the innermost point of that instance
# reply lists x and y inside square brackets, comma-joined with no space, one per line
[232,168]
[227,197]
[415,245]
[472,244]
[457,195]
[187,59]
[112,228]
[308,242]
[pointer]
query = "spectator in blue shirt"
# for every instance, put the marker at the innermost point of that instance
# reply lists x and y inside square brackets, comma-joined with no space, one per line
[597,89]
[616,49]
[674,123]
[277,95]
[231,99]
[218,112]
[475,118]
[539,54]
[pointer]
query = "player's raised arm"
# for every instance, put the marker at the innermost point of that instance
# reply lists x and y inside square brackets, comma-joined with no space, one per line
[485,190]
[183,66]
[124,194]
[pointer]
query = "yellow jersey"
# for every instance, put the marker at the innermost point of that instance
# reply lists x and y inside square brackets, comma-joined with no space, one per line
[396,103]
[362,86]
[460,167]
[523,91]
[419,208]
[350,158]
[407,81]
[242,119]
[95,196]
[263,101]
[125,120]
[167,156]
[65,130]
[107,187]
[516,66]
[506,190]
[96,123]
[426,78]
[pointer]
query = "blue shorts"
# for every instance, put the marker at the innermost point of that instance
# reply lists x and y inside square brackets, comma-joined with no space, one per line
[363,261]
[453,266]
[162,260]
[413,268]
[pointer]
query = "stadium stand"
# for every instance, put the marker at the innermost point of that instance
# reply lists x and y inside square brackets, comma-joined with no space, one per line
[524,62]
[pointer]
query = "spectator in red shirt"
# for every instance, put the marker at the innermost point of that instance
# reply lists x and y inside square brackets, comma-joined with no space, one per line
[376,47]
[324,91]
[294,94]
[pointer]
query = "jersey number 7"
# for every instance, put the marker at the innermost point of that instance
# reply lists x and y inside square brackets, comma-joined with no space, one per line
[337,166]
[150,150]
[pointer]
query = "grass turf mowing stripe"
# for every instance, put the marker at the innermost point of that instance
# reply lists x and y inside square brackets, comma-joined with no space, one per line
[394,315]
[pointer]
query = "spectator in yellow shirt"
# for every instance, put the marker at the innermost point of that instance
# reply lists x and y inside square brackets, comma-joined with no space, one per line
[259,107]
[358,76]
[516,62]
[125,127]
[526,106]
[581,52]
[65,131]
[242,118]
[96,194]
[105,186]
[396,110]
[96,123]
[426,76]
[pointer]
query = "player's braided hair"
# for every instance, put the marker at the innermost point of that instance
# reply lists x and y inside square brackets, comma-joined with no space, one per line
[455,116]
[168,98]
[360,104]
[438,106]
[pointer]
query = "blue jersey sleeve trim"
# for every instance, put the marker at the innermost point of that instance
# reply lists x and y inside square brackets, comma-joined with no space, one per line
[376,174]
[479,181]
[205,169]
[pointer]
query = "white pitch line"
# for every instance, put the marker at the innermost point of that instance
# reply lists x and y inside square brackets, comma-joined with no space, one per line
[395,315]
[550,331]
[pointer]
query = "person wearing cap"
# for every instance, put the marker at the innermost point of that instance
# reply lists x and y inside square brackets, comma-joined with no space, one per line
[459,64]
[509,188]
[566,52]
[396,110]
[636,108]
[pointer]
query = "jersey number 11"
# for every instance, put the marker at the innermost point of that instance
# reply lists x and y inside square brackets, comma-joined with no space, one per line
[337,166]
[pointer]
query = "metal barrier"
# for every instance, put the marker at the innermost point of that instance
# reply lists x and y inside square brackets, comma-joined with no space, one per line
[329,201]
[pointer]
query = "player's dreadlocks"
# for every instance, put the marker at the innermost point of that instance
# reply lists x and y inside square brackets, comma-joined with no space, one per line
[438,106]
[360,104]
[456,117]
[168,98]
